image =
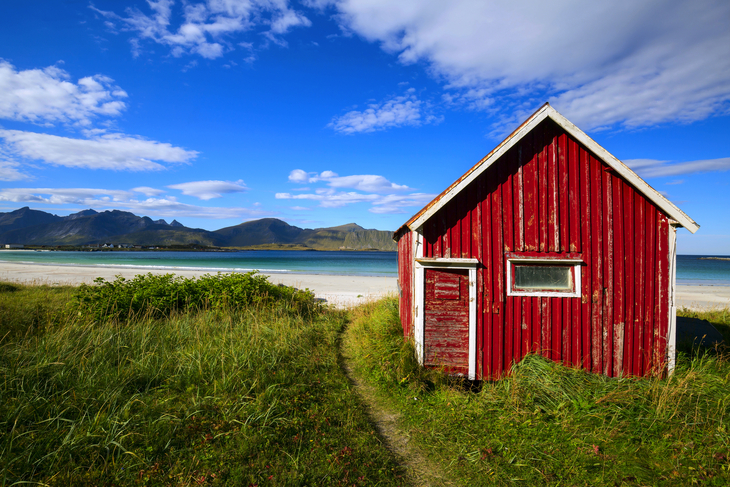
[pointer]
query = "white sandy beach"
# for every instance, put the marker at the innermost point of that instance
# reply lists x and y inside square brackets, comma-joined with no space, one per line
[338,290]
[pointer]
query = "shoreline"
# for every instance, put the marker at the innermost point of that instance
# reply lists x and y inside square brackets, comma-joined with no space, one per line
[340,290]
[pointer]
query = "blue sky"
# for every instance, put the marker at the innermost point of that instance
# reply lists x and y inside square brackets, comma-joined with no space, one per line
[326,112]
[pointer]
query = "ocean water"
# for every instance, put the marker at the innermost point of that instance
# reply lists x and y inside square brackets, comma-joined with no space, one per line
[691,269]
[268,261]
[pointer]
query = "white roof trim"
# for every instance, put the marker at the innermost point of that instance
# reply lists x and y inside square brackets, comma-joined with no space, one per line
[549,112]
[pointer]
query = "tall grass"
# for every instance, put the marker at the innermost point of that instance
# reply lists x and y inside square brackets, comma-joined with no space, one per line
[548,424]
[246,395]
[25,310]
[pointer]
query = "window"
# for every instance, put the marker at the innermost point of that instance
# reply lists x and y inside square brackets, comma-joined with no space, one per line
[556,275]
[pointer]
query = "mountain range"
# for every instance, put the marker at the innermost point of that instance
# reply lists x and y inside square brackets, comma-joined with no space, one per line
[89,227]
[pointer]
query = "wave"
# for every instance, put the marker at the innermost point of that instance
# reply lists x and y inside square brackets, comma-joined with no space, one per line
[172,269]
[156,267]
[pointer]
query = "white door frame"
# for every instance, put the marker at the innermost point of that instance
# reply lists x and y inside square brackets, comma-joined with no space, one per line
[672,338]
[420,265]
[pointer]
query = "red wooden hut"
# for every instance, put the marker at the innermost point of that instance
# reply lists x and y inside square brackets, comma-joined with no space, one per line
[547,245]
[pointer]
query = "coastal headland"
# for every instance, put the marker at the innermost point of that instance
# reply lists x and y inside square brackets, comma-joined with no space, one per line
[335,289]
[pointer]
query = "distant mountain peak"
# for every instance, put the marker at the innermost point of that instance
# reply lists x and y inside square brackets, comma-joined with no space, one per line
[81,214]
[34,227]
[347,227]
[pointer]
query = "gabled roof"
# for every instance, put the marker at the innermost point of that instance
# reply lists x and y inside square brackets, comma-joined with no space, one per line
[546,111]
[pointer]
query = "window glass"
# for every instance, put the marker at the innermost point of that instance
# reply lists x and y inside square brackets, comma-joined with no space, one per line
[543,277]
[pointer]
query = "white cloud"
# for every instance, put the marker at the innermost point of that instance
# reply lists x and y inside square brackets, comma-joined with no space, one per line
[600,63]
[206,190]
[361,182]
[110,151]
[46,96]
[396,203]
[206,27]
[147,191]
[9,167]
[63,196]
[9,171]
[652,168]
[383,195]
[393,203]
[122,200]
[299,176]
[394,112]
[331,199]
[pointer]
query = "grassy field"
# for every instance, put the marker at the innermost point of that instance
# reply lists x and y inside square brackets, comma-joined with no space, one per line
[174,392]
[549,425]
[233,381]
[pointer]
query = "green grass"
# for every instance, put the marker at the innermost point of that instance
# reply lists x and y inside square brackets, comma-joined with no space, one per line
[26,310]
[242,395]
[551,425]
[164,381]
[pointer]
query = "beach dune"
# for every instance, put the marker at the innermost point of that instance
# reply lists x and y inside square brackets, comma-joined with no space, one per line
[338,290]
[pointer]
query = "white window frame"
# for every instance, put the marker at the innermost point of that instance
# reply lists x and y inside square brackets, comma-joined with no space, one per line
[576,264]
[420,265]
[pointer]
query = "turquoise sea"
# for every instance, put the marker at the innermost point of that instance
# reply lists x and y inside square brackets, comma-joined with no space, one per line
[690,268]
[268,261]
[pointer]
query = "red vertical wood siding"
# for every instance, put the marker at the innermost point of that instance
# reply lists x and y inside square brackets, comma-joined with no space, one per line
[548,193]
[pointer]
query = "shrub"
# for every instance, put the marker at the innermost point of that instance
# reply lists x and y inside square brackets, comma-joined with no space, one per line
[157,296]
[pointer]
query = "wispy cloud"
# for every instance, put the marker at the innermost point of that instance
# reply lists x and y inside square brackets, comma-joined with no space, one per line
[48,96]
[122,200]
[206,190]
[397,111]
[206,28]
[383,195]
[109,151]
[147,191]
[331,198]
[654,62]
[9,171]
[652,168]
[9,167]
[361,182]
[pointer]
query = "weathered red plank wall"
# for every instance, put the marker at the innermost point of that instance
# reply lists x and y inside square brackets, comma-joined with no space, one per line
[548,193]
[405,281]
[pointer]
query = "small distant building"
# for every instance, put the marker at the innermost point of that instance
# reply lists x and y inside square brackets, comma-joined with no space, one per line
[13,246]
[548,245]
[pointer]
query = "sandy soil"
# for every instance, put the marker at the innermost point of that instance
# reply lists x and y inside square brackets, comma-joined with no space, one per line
[338,290]
[703,297]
